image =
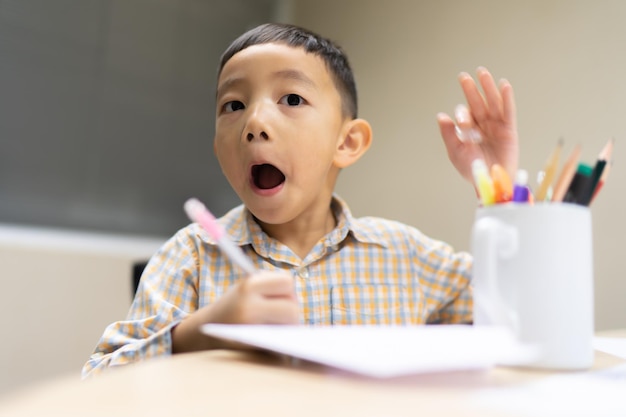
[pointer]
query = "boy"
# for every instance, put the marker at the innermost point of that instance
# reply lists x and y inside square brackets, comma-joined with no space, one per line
[286,124]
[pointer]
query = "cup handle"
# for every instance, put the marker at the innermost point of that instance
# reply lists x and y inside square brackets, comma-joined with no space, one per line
[492,239]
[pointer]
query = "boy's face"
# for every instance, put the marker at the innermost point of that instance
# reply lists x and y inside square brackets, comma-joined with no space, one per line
[278,125]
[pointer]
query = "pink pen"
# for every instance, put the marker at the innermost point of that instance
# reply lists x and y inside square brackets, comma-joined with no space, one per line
[197,212]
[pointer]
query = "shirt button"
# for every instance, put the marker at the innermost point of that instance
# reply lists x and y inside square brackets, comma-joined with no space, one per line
[332,248]
[303,272]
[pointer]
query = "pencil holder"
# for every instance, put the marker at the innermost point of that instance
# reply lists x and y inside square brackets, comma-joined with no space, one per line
[533,272]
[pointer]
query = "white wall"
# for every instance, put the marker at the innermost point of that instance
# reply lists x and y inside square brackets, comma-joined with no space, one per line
[59,290]
[567,65]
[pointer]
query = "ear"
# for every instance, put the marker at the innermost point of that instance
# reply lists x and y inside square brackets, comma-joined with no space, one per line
[355,141]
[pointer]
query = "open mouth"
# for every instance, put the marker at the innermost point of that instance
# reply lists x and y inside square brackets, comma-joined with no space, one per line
[266,176]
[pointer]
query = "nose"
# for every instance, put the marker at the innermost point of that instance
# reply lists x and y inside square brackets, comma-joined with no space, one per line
[257,124]
[250,136]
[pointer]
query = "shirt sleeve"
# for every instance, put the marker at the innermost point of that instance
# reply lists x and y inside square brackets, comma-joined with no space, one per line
[167,293]
[446,282]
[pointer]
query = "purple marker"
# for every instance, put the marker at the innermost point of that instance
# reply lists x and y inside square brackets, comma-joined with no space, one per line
[520,187]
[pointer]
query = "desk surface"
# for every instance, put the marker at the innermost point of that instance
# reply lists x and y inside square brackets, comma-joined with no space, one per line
[245,383]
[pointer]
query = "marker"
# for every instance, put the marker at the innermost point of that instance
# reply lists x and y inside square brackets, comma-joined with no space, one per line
[579,187]
[521,192]
[549,172]
[502,184]
[197,212]
[567,174]
[598,169]
[483,182]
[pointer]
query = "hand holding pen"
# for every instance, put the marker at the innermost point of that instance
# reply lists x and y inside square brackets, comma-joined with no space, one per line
[262,297]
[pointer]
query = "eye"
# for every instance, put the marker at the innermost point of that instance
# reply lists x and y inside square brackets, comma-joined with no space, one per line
[232,106]
[292,100]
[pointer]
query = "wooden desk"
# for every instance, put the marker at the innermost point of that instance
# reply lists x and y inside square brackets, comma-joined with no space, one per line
[227,383]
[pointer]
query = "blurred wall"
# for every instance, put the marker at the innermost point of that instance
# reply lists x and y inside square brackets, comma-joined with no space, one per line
[106,127]
[566,63]
[107,110]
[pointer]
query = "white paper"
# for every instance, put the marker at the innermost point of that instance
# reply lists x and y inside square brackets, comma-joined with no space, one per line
[614,345]
[381,351]
[597,393]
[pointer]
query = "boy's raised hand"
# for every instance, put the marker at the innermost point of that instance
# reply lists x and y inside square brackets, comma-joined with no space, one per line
[486,128]
[263,298]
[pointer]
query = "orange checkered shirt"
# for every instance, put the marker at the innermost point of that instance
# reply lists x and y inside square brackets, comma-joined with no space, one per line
[366,271]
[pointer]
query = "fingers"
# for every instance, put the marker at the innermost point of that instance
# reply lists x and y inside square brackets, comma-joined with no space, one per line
[492,94]
[463,118]
[266,298]
[497,103]
[508,102]
[474,98]
[448,132]
[485,128]
[456,148]
[271,285]
[278,311]
[465,129]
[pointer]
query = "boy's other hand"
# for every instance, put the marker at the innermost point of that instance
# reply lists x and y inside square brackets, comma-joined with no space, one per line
[486,128]
[263,298]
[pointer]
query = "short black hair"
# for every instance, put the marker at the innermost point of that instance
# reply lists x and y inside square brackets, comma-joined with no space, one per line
[335,58]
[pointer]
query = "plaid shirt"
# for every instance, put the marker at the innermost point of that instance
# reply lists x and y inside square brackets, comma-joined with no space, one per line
[365,271]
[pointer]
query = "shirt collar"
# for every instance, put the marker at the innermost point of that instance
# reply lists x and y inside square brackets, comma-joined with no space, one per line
[359,228]
[242,229]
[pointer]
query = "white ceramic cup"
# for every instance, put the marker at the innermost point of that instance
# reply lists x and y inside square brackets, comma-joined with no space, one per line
[533,272]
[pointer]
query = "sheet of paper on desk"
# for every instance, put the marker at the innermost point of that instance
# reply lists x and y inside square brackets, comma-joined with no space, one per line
[616,346]
[573,394]
[381,351]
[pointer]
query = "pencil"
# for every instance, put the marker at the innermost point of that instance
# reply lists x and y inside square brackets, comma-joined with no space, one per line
[607,150]
[605,154]
[549,172]
[603,177]
[566,175]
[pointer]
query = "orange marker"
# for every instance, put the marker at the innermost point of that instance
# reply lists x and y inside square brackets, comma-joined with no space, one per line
[502,184]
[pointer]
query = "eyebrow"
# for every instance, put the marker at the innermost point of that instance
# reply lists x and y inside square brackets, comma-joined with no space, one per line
[228,83]
[285,74]
[295,75]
